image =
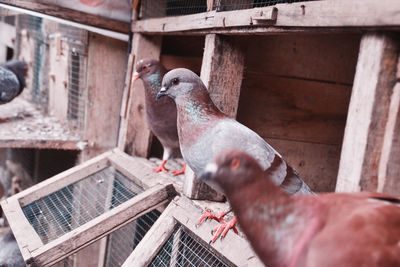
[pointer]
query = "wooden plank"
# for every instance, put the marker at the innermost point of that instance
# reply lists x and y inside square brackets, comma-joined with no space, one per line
[101,225]
[61,180]
[9,34]
[313,15]
[368,113]
[313,57]
[294,109]
[233,248]
[70,14]
[224,87]
[27,238]
[135,136]
[153,241]
[105,83]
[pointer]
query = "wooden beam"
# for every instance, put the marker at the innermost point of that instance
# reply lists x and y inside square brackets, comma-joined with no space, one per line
[224,85]
[368,114]
[311,15]
[135,136]
[71,15]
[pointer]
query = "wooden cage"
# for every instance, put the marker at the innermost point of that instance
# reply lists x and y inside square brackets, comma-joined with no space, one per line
[317,79]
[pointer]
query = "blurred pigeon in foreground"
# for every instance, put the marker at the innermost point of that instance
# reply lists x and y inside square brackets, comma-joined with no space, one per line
[356,229]
[161,115]
[12,81]
[204,131]
[9,251]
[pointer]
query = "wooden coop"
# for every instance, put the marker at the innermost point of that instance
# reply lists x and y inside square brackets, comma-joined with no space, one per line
[317,79]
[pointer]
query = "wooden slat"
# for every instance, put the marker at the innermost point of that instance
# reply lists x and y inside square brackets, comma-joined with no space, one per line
[61,180]
[9,34]
[368,114]
[153,241]
[313,15]
[101,225]
[27,238]
[224,87]
[70,14]
[105,83]
[134,136]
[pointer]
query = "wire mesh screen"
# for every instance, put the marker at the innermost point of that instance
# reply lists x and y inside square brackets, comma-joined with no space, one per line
[184,249]
[74,205]
[162,8]
[123,241]
[77,40]
[225,5]
[120,243]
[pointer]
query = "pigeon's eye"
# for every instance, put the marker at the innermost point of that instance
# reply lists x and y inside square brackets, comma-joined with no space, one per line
[235,163]
[145,67]
[175,81]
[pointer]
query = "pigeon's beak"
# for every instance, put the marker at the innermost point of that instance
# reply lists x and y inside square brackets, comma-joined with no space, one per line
[163,92]
[136,75]
[209,172]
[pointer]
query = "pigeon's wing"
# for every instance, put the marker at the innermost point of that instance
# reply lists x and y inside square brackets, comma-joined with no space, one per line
[9,85]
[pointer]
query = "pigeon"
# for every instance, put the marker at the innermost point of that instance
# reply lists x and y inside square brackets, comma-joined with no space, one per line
[12,81]
[332,229]
[10,254]
[204,131]
[161,115]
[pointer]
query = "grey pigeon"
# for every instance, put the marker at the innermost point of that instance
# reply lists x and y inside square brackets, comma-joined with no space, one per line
[10,254]
[12,80]
[204,131]
[353,229]
[161,115]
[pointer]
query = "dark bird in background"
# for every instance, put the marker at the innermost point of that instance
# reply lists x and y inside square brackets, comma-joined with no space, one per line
[12,81]
[161,115]
[204,131]
[347,230]
[9,251]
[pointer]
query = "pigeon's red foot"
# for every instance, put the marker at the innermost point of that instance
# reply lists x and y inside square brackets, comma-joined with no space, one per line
[207,214]
[161,168]
[3,119]
[222,229]
[181,171]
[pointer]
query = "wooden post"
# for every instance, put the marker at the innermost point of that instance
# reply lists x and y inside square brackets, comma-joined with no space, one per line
[368,114]
[222,73]
[135,136]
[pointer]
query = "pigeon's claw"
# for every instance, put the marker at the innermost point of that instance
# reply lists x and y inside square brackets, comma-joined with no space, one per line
[207,214]
[3,119]
[181,171]
[161,168]
[223,228]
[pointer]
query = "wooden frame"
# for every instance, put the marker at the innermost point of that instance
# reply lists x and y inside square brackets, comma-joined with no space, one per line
[158,191]
[234,249]
[315,16]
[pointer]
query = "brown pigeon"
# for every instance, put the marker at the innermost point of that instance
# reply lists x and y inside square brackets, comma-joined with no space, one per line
[357,229]
[204,131]
[12,81]
[161,115]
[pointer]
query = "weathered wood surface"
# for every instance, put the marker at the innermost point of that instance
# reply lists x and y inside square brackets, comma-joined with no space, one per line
[70,14]
[368,113]
[312,15]
[105,81]
[135,136]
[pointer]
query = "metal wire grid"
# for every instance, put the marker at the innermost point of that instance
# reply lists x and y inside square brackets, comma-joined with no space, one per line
[123,241]
[184,249]
[74,205]
[33,25]
[156,8]
[225,5]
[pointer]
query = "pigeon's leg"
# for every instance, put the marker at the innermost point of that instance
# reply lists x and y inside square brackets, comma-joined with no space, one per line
[161,168]
[3,119]
[222,229]
[208,214]
[181,171]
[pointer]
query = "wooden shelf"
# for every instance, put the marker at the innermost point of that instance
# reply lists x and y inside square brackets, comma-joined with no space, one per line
[27,127]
